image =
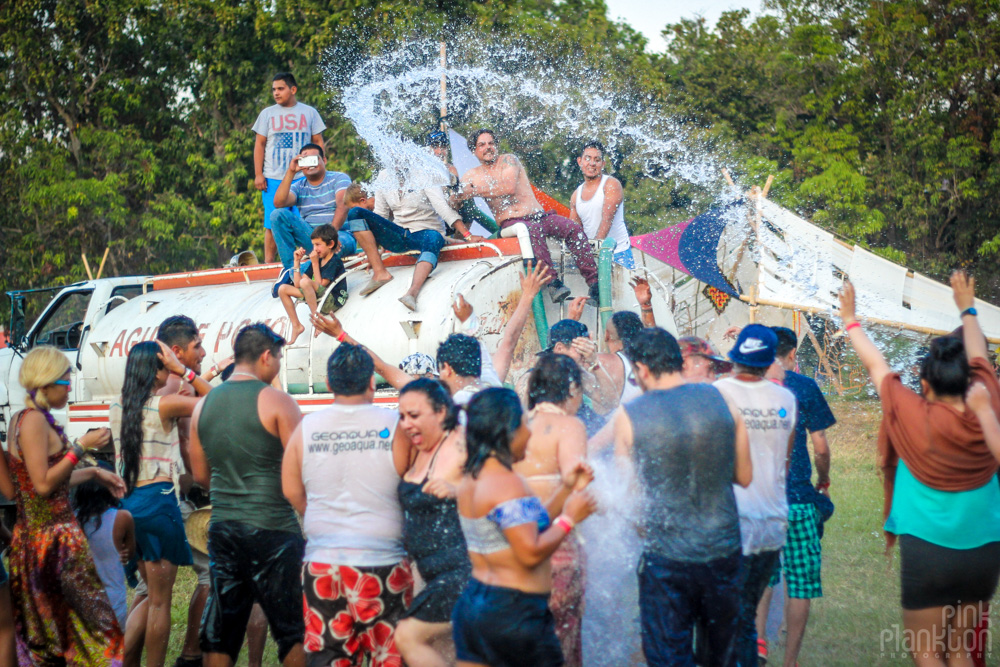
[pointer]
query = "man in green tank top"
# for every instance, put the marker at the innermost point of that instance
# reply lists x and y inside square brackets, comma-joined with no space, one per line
[254,541]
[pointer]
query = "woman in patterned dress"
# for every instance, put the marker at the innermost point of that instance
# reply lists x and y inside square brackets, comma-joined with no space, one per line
[61,612]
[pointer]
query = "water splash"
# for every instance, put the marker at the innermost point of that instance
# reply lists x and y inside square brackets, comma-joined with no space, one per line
[529,99]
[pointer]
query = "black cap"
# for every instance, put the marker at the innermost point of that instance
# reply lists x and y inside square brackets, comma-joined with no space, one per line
[565,331]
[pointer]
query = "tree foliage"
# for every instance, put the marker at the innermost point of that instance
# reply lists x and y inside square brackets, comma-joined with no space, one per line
[127,123]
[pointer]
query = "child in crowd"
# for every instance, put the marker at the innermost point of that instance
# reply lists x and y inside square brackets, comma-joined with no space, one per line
[111,534]
[355,195]
[323,269]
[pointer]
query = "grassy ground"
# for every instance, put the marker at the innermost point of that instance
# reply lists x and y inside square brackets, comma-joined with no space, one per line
[861,585]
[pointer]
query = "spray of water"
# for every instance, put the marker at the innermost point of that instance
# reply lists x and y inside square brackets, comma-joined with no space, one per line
[528,99]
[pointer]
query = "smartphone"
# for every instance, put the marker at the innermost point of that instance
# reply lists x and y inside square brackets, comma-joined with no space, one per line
[309,161]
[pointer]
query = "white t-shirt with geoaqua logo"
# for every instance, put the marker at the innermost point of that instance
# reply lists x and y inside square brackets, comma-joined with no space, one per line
[287,129]
[769,413]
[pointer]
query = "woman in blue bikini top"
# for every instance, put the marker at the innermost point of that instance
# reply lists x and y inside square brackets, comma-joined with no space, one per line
[508,530]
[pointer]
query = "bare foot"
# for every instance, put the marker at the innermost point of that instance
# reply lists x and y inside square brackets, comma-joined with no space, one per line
[296,330]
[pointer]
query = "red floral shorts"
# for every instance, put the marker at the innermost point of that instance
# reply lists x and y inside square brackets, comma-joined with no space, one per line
[353,611]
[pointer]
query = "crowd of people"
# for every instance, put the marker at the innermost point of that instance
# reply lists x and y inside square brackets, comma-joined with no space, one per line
[318,217]
[445,530]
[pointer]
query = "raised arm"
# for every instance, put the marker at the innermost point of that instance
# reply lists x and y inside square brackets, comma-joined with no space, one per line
[331,326]
[644,296]
[979,401]
[531,284]
[963,288]
[869,355]
[284,196]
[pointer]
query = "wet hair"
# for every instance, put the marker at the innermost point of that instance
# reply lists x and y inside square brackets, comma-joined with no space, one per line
[787,341]
[946,368]
[286,77]
[627,324]
[657,350]
[326,233]
[254,340]
[474,137]
[593,143]
[462,353]
[353,194]
[315,147]
[551,379]
[90,500]
[438,396]
[177,330]
[41,367]
[140,377]
[494,415]
[349,370]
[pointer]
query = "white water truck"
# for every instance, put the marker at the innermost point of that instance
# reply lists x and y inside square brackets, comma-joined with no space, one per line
[97,322]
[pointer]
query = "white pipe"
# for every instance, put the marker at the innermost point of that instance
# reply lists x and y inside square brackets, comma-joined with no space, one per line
[520,230]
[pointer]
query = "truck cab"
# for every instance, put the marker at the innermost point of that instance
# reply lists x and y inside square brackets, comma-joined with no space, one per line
[61,317]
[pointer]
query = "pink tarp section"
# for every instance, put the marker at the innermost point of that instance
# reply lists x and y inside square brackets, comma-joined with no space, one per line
[664,245]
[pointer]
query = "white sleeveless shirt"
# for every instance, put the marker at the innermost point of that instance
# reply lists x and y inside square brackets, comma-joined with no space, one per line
[353,515]
[769,413]
[591,211]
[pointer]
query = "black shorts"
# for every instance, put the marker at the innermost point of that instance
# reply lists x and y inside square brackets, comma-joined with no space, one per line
[936,576]
[250,565]
[503,627]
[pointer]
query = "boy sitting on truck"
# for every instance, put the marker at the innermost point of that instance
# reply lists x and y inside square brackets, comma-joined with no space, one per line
[323,269]
[355,195]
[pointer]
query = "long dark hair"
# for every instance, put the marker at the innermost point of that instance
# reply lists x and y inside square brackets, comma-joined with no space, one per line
[494,415]
[437,396]
[91,500]
[552,378]
[946,368]
[140,377]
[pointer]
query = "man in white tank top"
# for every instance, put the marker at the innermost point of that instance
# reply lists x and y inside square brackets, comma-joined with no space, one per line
[769,413]
[341,470]
[598,204]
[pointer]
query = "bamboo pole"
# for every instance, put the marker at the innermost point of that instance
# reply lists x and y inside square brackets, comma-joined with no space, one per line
[86,265]
[100,269]
[821,353]
[767,186]
[812,310]
[725,175]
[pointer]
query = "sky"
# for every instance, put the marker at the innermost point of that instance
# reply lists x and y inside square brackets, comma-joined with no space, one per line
[650,16]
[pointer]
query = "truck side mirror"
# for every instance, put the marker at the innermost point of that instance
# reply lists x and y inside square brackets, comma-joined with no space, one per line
[18,336]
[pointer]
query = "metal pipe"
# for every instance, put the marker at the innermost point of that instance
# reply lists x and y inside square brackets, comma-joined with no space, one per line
[520,230]
[604,259]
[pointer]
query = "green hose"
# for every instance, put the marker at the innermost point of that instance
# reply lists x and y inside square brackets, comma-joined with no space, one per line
[604,259]
[541,321]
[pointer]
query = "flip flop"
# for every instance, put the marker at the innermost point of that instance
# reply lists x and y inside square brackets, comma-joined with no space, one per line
[408,301]
[372,286]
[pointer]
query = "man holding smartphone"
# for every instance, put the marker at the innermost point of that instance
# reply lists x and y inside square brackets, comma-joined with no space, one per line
[320,200]
[282,130]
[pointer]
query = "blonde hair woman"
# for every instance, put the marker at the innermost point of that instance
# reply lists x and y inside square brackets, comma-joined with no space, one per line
[60,608]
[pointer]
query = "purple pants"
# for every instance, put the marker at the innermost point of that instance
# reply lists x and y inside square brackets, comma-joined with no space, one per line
[551,225]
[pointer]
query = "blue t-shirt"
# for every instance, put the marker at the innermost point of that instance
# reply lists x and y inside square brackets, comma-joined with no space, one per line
[317,203]
[813,415]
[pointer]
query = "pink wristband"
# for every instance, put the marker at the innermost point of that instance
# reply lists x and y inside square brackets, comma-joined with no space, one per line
[189,375]
[564,522]
[852,325]
[341,336]
[72,457]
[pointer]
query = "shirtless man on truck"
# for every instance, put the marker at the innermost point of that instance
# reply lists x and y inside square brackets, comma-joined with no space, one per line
[503,183]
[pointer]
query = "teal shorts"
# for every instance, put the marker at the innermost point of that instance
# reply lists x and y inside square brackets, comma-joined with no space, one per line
[801,557]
